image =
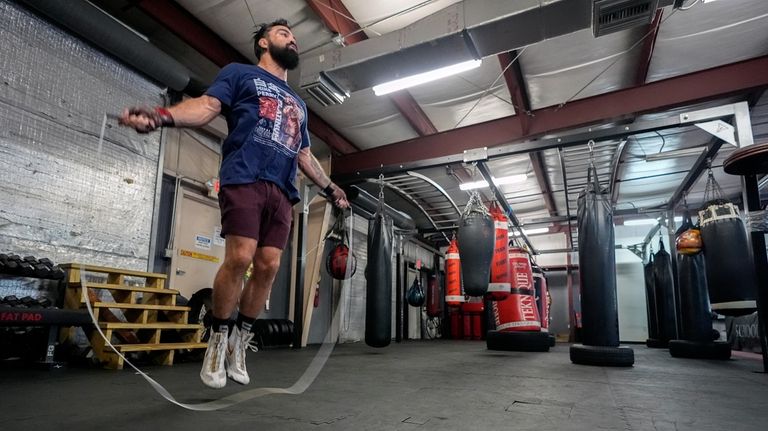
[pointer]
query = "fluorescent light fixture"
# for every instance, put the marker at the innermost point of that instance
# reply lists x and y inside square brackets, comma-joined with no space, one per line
[535,231]
[648,221]
[511,179]
[641,222]
[675,154]
[423,78]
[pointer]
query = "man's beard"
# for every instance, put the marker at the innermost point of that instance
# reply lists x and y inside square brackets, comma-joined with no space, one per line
[286,57]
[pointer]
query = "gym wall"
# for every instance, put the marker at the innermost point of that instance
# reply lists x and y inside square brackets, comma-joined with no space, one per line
[63,197]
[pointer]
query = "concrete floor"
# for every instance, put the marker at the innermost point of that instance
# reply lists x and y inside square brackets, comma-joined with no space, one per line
[429,385]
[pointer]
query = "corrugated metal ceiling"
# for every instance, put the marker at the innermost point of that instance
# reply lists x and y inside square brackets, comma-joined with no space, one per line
[554,71]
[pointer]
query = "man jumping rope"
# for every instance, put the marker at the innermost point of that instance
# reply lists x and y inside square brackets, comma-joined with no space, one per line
[267,140]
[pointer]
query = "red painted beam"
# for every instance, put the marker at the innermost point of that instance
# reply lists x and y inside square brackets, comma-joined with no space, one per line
[413,113]
[329,135]
[647,52]
[337,18]
[192,31]
[513,76]
[681,90]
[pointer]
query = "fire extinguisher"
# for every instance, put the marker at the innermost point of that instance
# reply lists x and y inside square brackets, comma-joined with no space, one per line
[317,296]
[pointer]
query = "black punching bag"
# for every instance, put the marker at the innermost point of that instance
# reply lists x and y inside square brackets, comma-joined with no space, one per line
[695,316]
[650,299]
[730,272]
[597,266]
[664,285]
[476,236]
[597,273]
[378,273]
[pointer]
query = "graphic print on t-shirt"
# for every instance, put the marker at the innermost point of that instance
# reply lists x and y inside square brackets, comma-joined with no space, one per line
[279,125]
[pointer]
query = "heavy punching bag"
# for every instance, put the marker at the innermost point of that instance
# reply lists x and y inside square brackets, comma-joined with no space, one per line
[434,296]
[476,237]
[519,311]
[454,297]
[650,300]
[730,271]
[378,273]
[542,296]
[695,318]
[695,340]
[498,289]
[664,285]
[597,272]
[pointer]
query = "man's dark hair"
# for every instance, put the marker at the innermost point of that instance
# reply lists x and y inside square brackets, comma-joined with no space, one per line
[261,31]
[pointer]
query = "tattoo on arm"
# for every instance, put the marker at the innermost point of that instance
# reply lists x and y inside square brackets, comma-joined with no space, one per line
[312,168]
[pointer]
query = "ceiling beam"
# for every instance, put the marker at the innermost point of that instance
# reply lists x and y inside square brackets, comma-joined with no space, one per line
[338,19]
[197,35]
[413,113]
[646,54]
[513,75]
[329,135]
[652,97]
[192,31]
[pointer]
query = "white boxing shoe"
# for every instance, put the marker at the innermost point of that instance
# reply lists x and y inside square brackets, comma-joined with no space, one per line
[236,347]
[214,372]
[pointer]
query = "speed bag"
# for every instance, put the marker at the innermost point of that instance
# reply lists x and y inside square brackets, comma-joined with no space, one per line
[341,263]
[476,237]
[415,295]
[378,289]
[728,261]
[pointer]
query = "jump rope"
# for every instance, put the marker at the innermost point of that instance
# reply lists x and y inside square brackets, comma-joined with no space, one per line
[302,384]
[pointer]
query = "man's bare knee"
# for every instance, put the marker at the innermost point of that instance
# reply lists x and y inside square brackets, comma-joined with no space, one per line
[266,264]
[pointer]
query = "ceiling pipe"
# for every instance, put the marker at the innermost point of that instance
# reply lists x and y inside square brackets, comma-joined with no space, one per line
[102,30]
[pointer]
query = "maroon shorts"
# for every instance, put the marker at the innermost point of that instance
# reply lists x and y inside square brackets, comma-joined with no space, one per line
[257,210]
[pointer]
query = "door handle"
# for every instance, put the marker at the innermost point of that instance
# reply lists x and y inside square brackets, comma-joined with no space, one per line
[179,271]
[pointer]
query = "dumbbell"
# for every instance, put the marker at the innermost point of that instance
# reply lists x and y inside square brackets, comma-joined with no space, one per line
[32,260]
[41,270]
[29,302]
[12,301]
[45,303]
[56,273]
[46,261]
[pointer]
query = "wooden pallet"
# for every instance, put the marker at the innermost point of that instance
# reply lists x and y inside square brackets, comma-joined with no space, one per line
[137,316]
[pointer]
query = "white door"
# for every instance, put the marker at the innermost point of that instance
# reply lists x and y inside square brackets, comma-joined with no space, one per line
[198,250]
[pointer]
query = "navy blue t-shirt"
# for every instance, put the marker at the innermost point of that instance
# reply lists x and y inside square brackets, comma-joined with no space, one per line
[267,124]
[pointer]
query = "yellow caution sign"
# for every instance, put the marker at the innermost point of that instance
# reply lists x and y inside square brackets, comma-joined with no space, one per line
[196,255]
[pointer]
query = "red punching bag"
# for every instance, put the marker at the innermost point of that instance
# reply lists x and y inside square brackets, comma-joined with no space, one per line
[453,294]
[499,287]
[337,261]
[340,263]
[518,312]
[434,299]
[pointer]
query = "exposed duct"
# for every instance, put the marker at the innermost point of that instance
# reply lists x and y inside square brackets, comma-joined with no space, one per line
[100,29]
[464,31]
[611,16]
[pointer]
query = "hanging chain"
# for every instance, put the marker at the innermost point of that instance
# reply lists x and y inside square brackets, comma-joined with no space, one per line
[381,188]
[712,190]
